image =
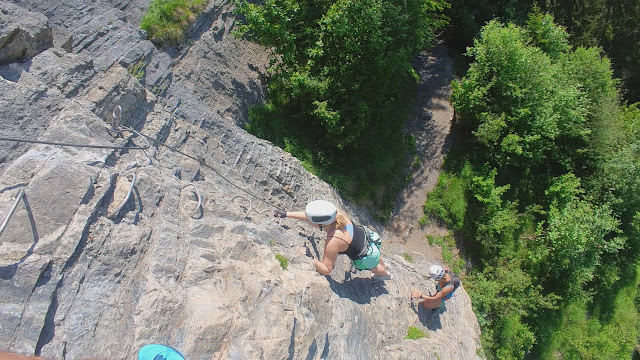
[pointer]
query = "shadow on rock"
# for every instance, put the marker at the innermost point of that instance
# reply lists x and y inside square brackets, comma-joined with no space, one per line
[429,318]
[359,290]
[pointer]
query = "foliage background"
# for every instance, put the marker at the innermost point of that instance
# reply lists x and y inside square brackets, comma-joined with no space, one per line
[341,86]
[612,25]
[542,181]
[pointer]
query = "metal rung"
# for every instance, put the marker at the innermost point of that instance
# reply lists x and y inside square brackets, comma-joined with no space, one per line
[117,211]
[242,197]
[199,198]
[313,229]
[13,208]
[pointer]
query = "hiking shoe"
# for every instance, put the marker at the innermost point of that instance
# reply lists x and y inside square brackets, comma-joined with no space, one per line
[382,277]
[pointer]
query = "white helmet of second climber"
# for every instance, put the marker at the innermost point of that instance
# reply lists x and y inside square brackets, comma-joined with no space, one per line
[436,272]
[321,212]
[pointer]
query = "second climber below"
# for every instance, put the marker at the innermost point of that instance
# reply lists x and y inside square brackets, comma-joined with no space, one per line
[343,237]
[447,282]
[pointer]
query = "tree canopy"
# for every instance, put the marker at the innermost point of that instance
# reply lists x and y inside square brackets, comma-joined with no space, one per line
[547,168]
[338,91]
[609,25]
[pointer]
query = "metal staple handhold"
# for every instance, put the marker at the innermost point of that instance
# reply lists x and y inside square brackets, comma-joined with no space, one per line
[238,158]
[278,218]
[242,197]
[13,208]
[199,198]
[117,211]
[313,229]
[222,137]
[250,156]
[116,116]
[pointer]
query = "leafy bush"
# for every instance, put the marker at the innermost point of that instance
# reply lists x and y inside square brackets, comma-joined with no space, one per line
[414,333]
[502,297]
[167,20]
[137,70]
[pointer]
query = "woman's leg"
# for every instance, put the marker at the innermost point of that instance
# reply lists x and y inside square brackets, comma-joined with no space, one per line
[380,268]
[431,304]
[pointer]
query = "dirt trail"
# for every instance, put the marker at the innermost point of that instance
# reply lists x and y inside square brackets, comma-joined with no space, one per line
[430,123]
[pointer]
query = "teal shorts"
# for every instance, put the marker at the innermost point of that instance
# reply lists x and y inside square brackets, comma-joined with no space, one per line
[370,261]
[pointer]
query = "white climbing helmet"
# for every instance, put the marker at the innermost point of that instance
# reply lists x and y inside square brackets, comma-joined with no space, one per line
[321,212]
[436,272]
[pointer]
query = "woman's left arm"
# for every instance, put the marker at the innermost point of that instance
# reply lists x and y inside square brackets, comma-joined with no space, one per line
[440,294]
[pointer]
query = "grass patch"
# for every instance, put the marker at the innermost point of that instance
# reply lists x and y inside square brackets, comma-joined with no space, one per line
[448,244]
[416,162]
[284,262]
[448,200]
[415,333]
[137,70]
[435,240]
[272,242]
[167,20]
[600,333]
[407,257]
[447,255]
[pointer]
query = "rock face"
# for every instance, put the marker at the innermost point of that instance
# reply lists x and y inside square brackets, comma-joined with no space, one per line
[19,41]
[160,232]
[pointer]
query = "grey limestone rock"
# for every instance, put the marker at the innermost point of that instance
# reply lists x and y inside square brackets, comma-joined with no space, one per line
[62,39]
[23,33]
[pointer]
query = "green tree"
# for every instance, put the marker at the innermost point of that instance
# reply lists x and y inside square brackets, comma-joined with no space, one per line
[611,25]
[550,159]
[578,235]
[339,62]
[528,114]
[339,75]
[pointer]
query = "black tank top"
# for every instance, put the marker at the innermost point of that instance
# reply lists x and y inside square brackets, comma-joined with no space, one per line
[357,243]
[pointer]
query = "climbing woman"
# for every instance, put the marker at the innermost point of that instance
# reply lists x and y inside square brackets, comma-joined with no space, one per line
[343,237]
[446,284]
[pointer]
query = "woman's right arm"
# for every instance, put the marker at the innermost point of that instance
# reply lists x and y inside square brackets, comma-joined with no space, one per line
[325,266]
[298,215]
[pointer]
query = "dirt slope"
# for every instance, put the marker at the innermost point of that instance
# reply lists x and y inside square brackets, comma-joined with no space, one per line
[430,123]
